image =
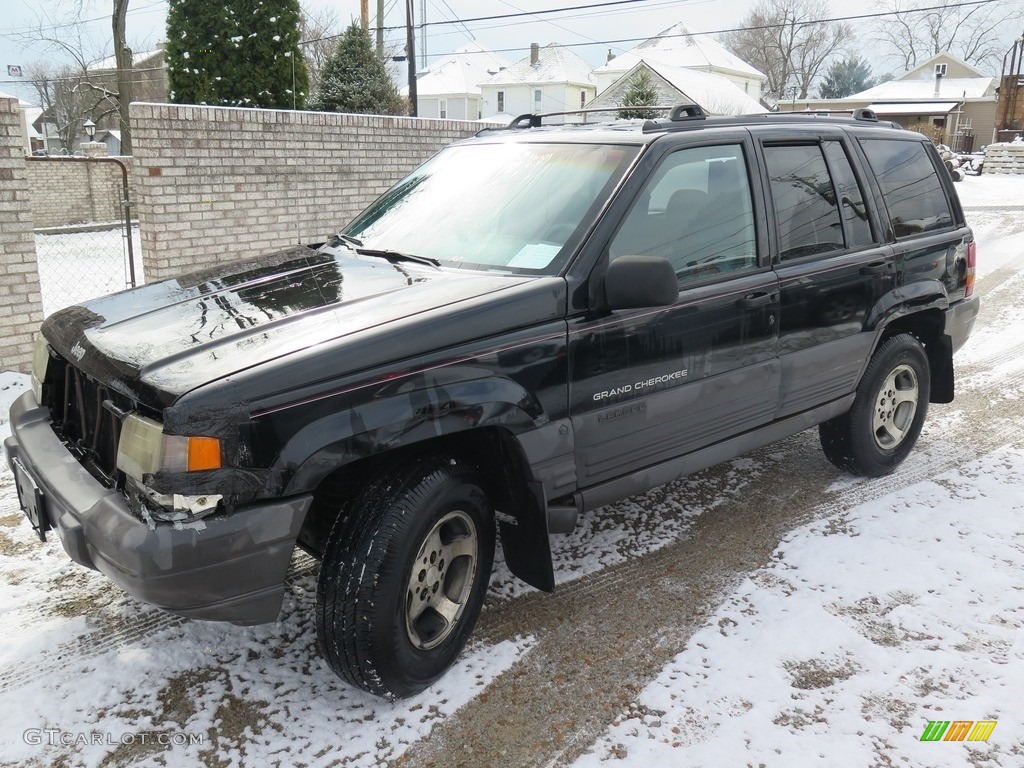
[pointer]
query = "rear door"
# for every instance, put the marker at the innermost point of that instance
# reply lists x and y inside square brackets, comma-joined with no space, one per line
[831,263]
[647,385]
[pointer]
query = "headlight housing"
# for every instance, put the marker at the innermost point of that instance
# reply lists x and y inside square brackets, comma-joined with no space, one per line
[40,363]
[144,449]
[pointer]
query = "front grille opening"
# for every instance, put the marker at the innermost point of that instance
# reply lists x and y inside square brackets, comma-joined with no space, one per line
[86,415]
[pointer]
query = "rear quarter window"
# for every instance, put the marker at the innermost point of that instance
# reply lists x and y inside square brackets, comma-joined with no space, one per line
[910,185]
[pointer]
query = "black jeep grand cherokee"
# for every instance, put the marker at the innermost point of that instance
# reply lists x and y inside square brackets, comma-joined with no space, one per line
[536,322]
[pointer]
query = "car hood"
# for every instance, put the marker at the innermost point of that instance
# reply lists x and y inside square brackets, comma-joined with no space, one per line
[159,341]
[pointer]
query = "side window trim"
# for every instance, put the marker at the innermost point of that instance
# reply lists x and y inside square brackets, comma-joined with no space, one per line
[847,229]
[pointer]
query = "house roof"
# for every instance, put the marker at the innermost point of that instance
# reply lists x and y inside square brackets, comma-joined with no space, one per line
[555,64]
[913,108]
[137,59]
[924,89]
[31,115]
[459,73]
[714,93]
[680,46]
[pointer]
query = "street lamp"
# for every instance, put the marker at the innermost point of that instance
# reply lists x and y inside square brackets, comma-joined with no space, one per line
[90,129]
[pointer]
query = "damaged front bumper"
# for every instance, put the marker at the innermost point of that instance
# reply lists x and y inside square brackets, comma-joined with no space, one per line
[226,568]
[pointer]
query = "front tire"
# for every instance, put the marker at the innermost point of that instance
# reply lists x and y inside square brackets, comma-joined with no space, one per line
[404,575]
[882,426]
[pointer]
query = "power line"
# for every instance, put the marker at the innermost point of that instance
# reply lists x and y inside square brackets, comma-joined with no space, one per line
[543,12]
[593,6]
[598,6]
[809,22]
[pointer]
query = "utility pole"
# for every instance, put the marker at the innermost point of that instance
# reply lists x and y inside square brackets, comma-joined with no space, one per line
[364,14]
[380,29]
[410,56]
[423,34]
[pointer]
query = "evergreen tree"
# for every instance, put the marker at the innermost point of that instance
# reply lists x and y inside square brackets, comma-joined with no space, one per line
[846,77]
[242,53]
[641,93]
[354,79]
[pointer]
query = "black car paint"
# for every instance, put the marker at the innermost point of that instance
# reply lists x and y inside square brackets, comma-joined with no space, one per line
[309,360]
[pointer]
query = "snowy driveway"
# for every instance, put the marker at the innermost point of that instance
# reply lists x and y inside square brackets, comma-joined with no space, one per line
[771,611]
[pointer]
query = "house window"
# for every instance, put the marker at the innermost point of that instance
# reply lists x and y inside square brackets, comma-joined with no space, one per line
[537,95]
[501,101]
[940,70]
[442,105]
[583,98]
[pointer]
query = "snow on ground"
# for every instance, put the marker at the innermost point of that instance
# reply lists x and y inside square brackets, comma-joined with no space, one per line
[865,627]
[74,267]
[11,387]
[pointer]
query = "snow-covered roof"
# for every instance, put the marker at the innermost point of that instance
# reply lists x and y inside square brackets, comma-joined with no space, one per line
[680,46]
[714,93]
[913,108]
[31,115]
[555,64]
[137,58]
[923,89]
[459,73]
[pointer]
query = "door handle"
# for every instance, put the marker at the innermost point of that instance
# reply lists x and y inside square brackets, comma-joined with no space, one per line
[875,268]
[755,300]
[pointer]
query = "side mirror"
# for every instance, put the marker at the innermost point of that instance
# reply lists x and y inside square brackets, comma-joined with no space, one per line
[634,282]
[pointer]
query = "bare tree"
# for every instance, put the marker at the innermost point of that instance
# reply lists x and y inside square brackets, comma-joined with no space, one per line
[67,98]
[60,30]
[970,32]
[320,31]
[791,41]
[123,57]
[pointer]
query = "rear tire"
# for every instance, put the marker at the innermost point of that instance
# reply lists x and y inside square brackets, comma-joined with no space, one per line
[882,426]
[404,575]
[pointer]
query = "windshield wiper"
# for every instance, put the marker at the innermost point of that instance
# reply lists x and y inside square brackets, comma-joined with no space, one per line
[398,256]
[349,241]
[355,244]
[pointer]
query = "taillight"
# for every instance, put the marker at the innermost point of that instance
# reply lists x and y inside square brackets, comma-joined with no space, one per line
[972,256]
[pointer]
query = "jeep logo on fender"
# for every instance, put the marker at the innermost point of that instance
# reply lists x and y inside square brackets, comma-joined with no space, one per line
[78,351]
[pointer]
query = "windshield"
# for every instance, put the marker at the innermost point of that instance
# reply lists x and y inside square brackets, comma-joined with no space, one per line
[518,206]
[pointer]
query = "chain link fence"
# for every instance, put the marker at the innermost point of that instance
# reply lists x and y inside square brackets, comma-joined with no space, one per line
[76,264]
[90,247]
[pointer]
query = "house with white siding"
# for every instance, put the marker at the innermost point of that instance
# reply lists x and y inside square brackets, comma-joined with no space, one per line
[450,87]
[680,47]
[550,79]
[715,94]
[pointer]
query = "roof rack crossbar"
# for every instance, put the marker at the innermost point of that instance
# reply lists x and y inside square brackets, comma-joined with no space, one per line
[534,119]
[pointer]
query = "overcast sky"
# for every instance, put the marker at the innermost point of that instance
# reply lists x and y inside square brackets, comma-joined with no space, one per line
[597,29]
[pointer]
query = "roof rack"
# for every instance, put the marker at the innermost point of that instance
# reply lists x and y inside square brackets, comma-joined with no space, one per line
[683,116]
[864,114]
[534,120]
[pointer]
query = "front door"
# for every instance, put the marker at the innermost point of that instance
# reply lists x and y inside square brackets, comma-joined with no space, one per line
[648,385]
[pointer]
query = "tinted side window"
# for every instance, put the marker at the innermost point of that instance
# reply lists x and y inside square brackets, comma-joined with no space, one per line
[912,191]
[695,211]
[806,210]
[851,198]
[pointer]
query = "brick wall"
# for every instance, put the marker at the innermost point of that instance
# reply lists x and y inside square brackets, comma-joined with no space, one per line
[217,183]
[21,309]
[74,190]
